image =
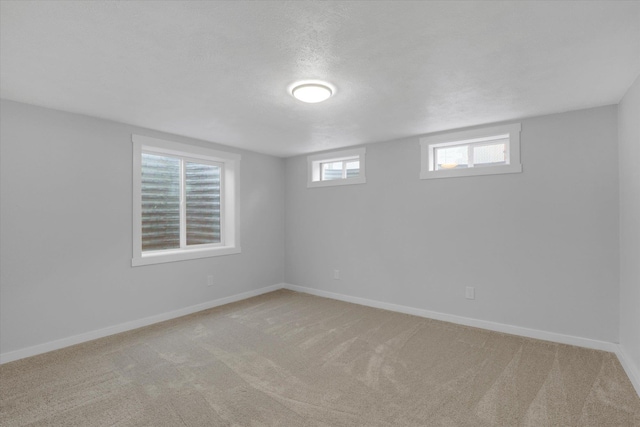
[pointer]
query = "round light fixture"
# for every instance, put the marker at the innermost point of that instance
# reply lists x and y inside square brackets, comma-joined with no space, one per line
[312,92]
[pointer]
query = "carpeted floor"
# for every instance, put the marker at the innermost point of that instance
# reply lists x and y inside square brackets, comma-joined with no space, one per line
[290,359]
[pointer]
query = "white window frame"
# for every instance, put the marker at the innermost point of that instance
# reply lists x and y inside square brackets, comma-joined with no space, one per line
[229,198]
[429,144]
[315,161]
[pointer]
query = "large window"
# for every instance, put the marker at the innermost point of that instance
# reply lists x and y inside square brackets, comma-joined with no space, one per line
[486,151]
[185,202]
[337,168]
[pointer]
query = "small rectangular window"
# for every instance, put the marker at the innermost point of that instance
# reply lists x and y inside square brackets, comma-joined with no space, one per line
[185,202]
[336,168]
[486,151]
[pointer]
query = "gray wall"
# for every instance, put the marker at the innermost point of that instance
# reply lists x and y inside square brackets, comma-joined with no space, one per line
[629,137]
[541,247]
[66,224]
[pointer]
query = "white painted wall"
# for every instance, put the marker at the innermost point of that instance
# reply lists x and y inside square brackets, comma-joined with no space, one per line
[66,227]
[629,141]
[541,247]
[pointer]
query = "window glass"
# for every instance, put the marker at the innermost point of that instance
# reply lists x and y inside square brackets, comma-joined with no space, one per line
[202,193]
[331,171]
[456,157]
[160,202]
[353,168]
[489,155]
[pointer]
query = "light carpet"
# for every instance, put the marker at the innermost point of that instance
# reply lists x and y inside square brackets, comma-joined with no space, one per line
[291,359]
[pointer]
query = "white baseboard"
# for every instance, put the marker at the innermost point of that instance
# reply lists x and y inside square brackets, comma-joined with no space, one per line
[483,324]
[127,326]
[633,372]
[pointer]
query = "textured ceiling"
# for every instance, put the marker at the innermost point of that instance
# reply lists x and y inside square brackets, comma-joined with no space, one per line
[219,71]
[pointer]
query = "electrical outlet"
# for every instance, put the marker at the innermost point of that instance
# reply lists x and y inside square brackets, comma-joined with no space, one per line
[209,280]
[336,274]
[470,292]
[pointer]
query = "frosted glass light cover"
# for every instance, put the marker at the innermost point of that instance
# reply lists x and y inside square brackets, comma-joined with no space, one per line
[312,93]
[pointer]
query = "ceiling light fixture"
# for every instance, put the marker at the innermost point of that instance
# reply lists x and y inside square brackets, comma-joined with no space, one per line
[312,92]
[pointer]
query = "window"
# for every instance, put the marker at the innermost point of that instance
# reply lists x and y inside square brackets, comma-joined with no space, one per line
[486,151]
[337,168]
[184,202]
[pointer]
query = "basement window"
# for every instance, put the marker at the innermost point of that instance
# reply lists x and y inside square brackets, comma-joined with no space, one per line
[336,168]
[184,202]
[486,151]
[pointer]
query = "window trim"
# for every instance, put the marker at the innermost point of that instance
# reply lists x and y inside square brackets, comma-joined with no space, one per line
[314,166]
[428,145]
[230,201]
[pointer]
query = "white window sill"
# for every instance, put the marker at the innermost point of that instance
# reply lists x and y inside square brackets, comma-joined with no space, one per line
[334,182]
[454,173]
[182,255]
